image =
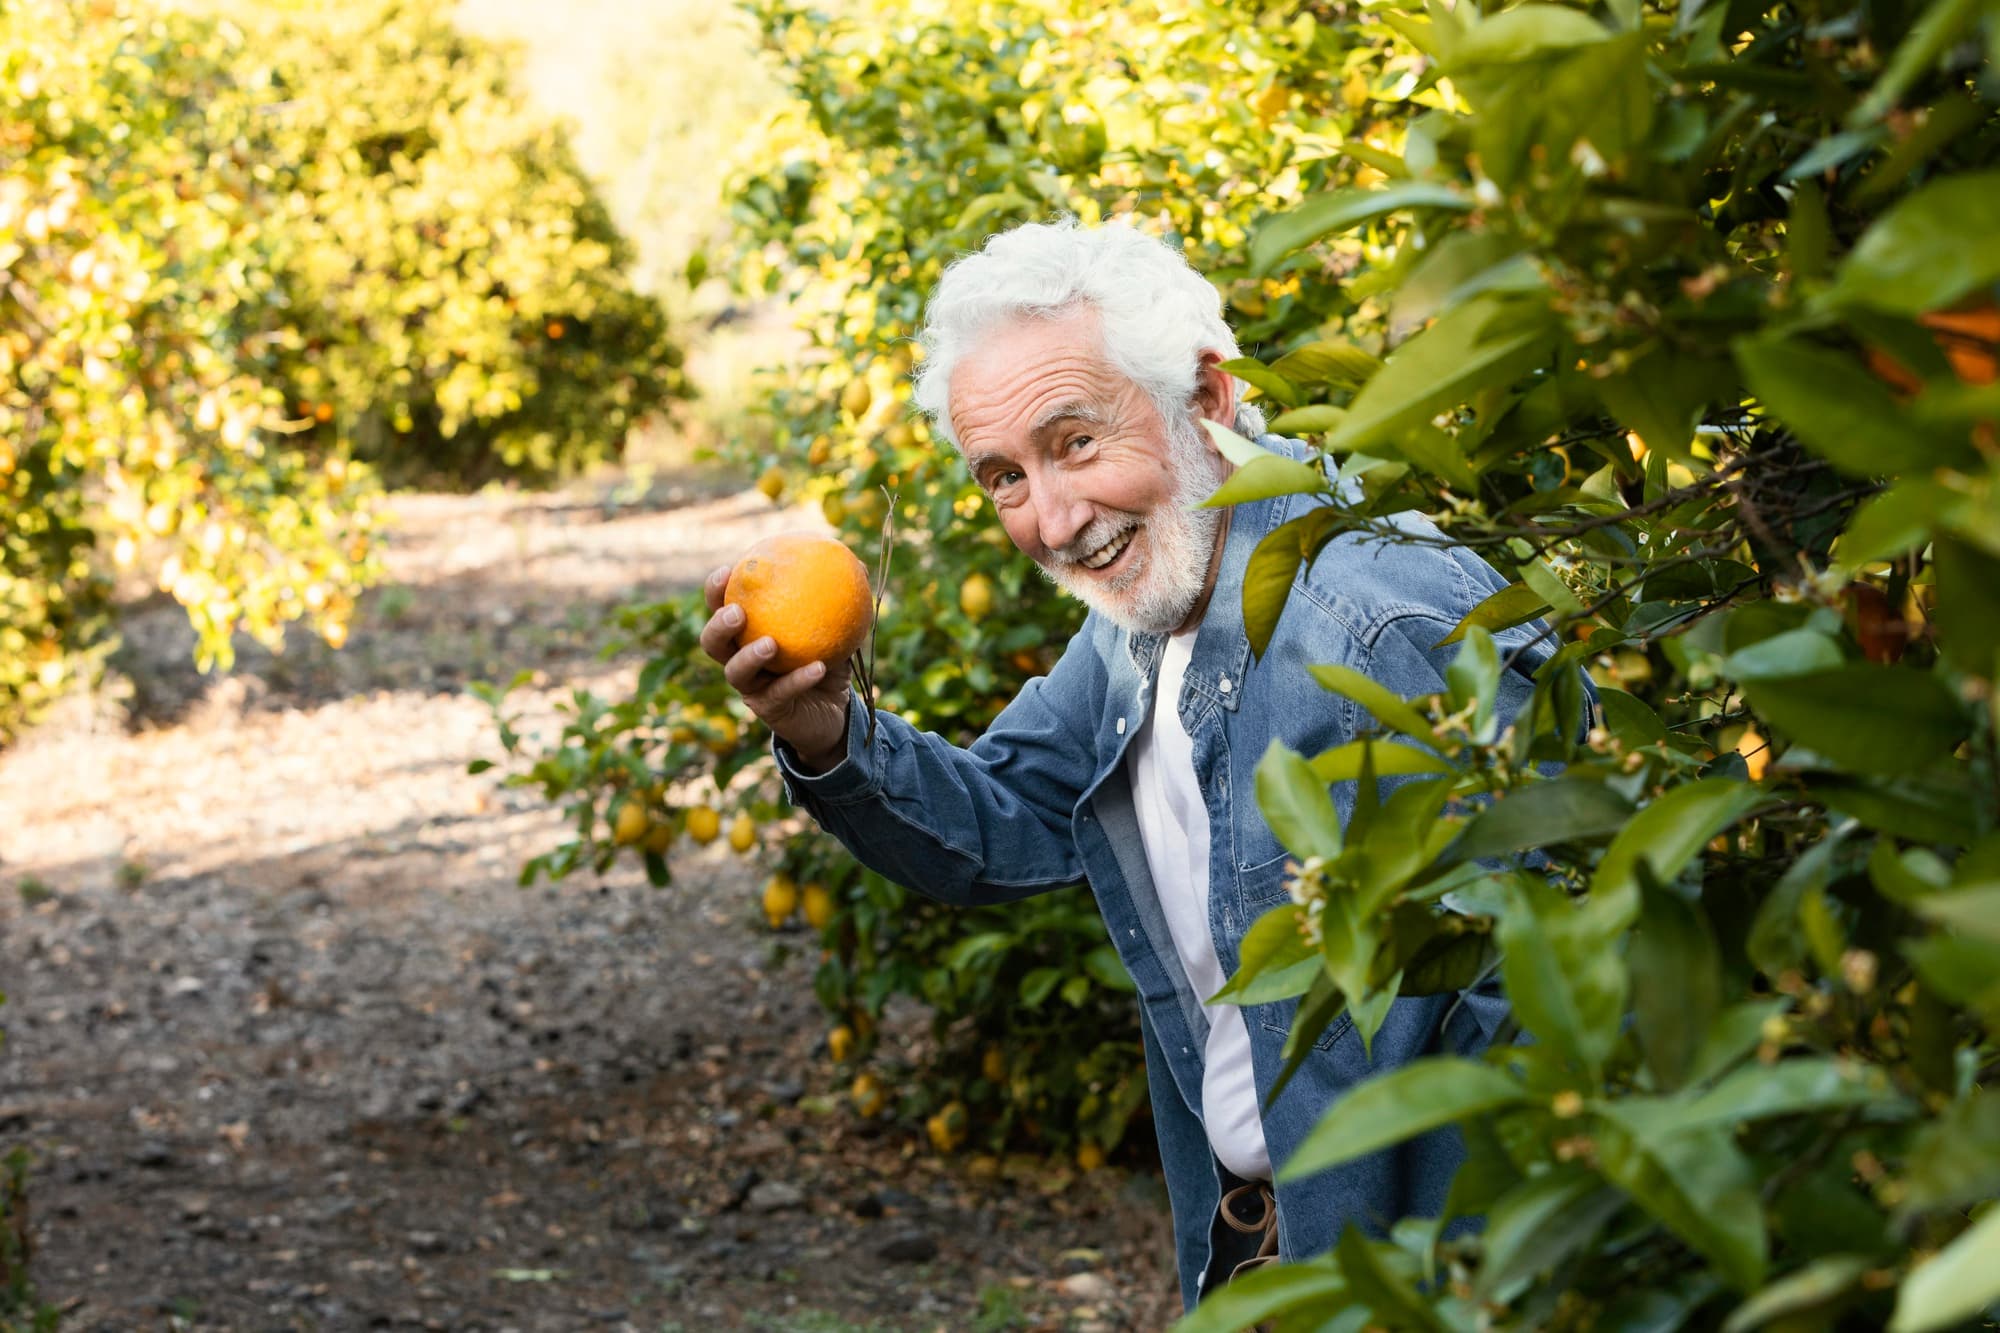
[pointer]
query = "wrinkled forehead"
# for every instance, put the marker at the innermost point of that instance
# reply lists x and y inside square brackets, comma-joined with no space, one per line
[1022,372]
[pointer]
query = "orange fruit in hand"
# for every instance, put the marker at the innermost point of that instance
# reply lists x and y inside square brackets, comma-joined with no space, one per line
[810,594]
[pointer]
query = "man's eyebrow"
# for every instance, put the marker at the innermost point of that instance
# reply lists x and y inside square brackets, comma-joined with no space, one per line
[1076,409]
[976,464]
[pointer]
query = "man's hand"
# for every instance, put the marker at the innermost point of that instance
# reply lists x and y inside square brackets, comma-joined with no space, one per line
[807,708]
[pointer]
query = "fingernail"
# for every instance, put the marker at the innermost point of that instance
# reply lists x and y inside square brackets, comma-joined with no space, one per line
[732,616]
[814,670]
[766,646]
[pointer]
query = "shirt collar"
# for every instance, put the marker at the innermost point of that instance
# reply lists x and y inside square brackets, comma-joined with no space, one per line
[1222,648]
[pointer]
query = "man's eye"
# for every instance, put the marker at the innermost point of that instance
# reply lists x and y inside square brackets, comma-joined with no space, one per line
[1002,480]
[1080,441]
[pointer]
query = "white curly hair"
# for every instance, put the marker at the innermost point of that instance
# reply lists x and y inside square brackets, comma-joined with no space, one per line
[1156,314]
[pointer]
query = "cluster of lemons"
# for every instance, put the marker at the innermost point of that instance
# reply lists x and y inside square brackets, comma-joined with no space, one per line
[644,822]
[784,896]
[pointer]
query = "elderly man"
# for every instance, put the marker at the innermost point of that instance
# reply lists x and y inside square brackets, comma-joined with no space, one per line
[1073,367]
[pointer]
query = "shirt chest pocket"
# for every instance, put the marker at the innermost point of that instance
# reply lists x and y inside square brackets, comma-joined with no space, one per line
[1256,857]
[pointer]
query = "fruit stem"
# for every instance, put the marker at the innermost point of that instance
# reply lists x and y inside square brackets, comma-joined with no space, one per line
[864,668]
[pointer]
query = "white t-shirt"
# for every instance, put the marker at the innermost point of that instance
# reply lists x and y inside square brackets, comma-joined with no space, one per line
[1173,824]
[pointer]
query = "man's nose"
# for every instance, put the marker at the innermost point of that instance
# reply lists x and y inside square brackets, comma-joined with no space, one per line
[1061,515]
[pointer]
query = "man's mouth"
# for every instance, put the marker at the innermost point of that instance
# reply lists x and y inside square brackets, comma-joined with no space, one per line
[1103,557]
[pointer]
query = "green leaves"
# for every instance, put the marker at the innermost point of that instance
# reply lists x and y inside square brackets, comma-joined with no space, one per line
[1262,478]
[1324,214]
[1563,972]
[1400,1104]
[1477,345]
[1275,564]
[1696,1183]
[1957,1283]
[1839,410]
[1542,814]
[1296,804]
[1665,836]
[1867,718]
[1306,1289]
[1930,249]
[1523,33]
[1676,983]
[1791,1087]
[1535,1226]
[1515,604]
[1274,963]
[1390,710]
[1661,397]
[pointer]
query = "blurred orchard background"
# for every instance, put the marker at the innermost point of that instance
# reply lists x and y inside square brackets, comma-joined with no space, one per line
[404,929]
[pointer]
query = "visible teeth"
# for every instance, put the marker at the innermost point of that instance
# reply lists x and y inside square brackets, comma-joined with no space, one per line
[1106,554]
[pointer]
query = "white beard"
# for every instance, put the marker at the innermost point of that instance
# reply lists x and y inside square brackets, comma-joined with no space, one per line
[1158,590]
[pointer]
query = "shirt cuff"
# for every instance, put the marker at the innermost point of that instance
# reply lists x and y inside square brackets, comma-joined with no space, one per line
[852,779]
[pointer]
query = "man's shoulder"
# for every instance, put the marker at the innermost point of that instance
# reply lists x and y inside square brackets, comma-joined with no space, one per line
[1365,579]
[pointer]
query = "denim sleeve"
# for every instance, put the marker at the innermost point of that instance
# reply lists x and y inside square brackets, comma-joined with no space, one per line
[985,824]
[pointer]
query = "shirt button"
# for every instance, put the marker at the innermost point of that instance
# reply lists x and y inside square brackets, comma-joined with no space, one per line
[1121,726]
[1223,685]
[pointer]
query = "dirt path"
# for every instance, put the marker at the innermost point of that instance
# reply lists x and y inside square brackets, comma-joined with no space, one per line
[294,1052]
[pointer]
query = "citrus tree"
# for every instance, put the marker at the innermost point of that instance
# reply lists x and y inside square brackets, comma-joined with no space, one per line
[228,284]
[911,133]
[1685,318]
[139,423]
[458,302]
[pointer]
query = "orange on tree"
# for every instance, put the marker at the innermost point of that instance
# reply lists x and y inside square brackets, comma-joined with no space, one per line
[743,835]
[810,594]
[703,824]
[840,1043]
[772,484]
[1089,1157]
[659,837]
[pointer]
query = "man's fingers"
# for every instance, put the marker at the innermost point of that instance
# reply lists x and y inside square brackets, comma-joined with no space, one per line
[715,585]
[745,672]
[789,687]
[718,636]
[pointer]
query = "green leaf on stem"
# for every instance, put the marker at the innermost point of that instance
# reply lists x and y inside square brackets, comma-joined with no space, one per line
[1400,1104]
[1323,215]
[1515,604]
[1389,709]
[1296,804]
[1955,1284]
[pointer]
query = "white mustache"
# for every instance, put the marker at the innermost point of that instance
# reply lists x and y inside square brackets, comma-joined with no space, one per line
[1094,538]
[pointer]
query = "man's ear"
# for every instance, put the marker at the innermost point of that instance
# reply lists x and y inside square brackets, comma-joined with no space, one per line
[1215,390]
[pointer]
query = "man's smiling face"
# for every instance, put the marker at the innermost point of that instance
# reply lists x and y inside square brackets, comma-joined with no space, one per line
[1086,476]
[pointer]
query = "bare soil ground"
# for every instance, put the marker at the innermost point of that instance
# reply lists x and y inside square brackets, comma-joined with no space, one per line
[293,1051]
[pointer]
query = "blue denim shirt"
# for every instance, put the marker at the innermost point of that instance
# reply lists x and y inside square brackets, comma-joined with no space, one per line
[1042,800]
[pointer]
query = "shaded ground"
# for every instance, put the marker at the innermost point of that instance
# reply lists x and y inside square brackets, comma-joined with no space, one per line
[294,1052]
